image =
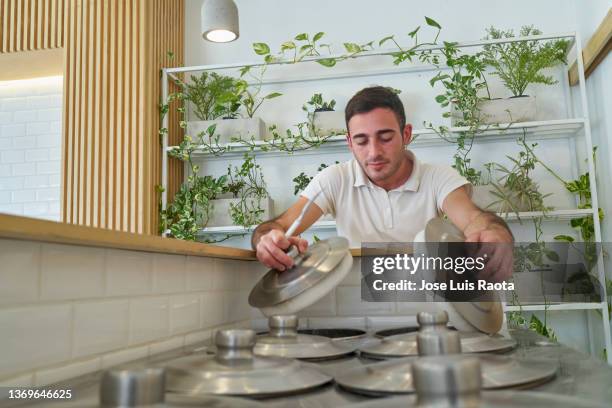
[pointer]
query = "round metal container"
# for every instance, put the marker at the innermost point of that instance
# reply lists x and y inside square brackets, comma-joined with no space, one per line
[395,376]
[284,341]
[455,381]
[235,370]
[405,345]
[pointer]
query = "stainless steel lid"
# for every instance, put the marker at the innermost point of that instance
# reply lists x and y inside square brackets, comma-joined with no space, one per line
[433,338]
[145,387]
[405,345]
[484,316]
[235,370]
[455,381]
[319,260]
[284,341]
[395,376]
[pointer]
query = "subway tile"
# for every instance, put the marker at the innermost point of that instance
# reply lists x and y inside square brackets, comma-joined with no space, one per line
[226,274]
[71,272]
[55,180]
[326,306]
[166,345]
[48,140]
[197,337]
[24,116]
[50,167]
[184,313]
[100,326]
[213,309]
[15,209]
[149,319]
[116,358]
[23,196]
[48,194]
[23,169]
[128,272]
[13,104]
[35,128]
[41,102]
[25,380]
[35,209]
[349,303]
[64,372]
[5,170]
[36,181]
[237,306]
[27,142]
[13,130]
[34,337]
[12,156]
[20,272]
[5,197]
[168,273]
[413,308]
[49,115]
[6,143]
[55,153]
[11,183]
[36,154]
[199,273]
[6,117]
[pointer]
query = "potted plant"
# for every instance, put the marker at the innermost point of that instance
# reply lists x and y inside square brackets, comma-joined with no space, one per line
[519,64]
[301,181]
[323,119]
[244,199]
[216,100]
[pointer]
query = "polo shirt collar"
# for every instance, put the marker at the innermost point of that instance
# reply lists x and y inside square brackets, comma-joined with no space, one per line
[412,184]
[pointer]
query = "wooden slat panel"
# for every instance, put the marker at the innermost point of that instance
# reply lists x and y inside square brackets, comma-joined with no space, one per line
[114,52]
[29,25]
[596,49]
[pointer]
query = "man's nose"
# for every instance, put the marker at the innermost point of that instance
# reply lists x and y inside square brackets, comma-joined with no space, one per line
[375,149]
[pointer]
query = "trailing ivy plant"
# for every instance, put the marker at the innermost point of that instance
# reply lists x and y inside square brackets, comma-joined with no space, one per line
[250,95]
[301,181]
[520,63]
[247,184]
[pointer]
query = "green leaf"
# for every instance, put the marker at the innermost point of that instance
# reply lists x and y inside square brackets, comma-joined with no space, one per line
[441,98]
[352,47]
[287,45]
[413,32]
[565,238]
[261,48]
[272,95]
[301,37]
[384,40]
[327,62]
[318,36]
[269,58]
[433,23]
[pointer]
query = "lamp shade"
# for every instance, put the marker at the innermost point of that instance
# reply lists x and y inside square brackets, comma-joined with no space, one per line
[220,21]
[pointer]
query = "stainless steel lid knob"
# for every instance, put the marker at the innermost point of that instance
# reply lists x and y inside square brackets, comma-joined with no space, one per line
[283,326]
[439,379]
[434,337]
[234,345]
[427,320]
[132,388]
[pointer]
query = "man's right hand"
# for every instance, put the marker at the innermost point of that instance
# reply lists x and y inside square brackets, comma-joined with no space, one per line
[272,246]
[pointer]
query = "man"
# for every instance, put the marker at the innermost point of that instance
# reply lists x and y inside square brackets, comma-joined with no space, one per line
[384,194]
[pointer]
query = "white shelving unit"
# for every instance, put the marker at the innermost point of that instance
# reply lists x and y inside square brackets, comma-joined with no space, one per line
[536,130]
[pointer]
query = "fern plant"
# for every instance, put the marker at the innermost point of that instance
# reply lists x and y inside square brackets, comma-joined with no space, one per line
[519,64]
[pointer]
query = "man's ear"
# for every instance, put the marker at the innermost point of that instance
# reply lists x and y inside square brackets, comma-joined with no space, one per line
[407,135]
[349,141]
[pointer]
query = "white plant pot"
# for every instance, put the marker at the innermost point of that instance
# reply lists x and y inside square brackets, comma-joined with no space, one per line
[245,128]
[484,198]
[515,109]
[221,217]
[329,122]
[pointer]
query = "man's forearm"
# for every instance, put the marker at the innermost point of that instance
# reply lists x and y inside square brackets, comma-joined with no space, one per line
[262,229]
[486,220]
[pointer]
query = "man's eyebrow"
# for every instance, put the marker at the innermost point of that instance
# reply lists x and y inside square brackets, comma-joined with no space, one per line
[383,131]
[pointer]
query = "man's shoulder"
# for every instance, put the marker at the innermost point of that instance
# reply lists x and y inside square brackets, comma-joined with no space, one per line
[344,170]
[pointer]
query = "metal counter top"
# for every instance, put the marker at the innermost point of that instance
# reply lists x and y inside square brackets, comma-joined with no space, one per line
[579,376]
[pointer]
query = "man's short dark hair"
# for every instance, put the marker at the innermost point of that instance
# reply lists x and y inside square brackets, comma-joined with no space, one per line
[374,97]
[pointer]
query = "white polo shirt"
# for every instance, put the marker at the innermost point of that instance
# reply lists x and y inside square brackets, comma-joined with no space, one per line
[365,212]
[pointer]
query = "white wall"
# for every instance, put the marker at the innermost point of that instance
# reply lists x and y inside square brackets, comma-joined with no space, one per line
[30,147]
[67,310]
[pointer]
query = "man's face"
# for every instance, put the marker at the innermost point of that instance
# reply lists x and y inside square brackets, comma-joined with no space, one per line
[378,143]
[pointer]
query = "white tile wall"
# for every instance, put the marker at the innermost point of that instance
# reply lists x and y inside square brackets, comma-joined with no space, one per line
[30,145]
[66,310]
